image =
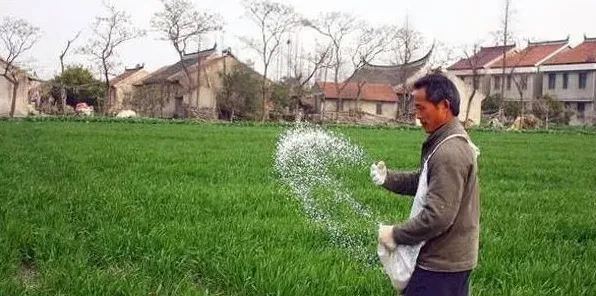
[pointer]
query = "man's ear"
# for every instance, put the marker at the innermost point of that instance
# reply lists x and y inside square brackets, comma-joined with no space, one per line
[445,104]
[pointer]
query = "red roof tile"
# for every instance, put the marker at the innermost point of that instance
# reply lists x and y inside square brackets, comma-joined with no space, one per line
[481,58]
[376,92]
[583,53]
[531,55]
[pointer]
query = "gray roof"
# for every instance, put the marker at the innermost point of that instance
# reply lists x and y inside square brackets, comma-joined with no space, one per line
[391,74]
[188,60]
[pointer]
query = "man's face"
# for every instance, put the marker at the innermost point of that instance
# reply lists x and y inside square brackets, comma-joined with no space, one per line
[431,116]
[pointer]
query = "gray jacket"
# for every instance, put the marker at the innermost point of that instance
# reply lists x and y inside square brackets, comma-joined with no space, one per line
[450,221]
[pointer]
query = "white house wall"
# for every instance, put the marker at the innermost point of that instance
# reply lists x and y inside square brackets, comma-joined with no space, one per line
[465,91]
[573,92]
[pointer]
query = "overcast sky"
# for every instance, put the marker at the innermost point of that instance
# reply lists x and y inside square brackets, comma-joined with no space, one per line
[455,22]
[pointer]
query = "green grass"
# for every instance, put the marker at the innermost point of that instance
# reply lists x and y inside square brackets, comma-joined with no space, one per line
[153,209]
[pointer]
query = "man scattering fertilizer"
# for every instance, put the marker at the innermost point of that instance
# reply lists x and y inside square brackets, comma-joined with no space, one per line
[436,249]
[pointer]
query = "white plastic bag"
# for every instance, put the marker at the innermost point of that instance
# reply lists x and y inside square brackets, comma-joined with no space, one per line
[399,264]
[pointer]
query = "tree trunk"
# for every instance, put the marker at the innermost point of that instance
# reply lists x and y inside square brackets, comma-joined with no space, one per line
[359,100]
[198,72]
[63,99]
[547,115]
[522,110]
[264,89]
[469,106]
[232,115]
[13,105]
[107,103]
[504,58]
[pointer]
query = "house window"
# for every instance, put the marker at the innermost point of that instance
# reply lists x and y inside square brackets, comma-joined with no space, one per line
[379,108]
[497,82]
[583,80]
[552,80]
[581,108]
[475,82]
[508,82]
[565,80]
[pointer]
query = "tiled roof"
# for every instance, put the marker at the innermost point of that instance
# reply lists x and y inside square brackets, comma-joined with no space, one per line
[164,73]
[583,53]
[127,73]
[15,68]
[481,58]
[370,91]
[393,75]
[532,54]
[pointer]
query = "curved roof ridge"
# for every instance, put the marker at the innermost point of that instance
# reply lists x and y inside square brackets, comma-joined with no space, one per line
[417,62]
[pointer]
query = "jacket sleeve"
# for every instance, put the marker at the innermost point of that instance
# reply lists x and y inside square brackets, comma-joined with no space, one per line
[448,172]
[405,183]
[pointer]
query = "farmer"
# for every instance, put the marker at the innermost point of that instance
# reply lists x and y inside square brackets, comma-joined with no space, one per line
[448,221]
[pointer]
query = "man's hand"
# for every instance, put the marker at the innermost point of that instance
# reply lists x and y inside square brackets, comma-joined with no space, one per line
[386,237]
[378,173]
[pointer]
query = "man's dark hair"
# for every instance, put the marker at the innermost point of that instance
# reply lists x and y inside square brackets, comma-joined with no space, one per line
[439,87]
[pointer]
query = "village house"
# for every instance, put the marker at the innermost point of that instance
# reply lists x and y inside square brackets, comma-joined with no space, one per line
[478,65]
[122,88]
[26,82]
[551,68]
[570,77]
[169,93]
[377,99]
[523,76]
[381,78]
[370,86]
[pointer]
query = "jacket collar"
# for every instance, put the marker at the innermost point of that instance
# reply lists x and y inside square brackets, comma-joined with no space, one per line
[441,133]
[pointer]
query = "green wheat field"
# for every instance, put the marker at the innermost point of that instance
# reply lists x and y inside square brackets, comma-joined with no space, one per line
[161,209]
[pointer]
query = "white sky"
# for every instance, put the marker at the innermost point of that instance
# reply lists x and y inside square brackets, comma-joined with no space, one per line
[455,22]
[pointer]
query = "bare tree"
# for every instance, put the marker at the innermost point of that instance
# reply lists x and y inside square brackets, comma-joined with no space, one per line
[274,20]
[338,28]
[18,37]
[65,51]
[441,57]
[353,44]
[370,43]
[520,81]
[180,23]
[110,31]
[62,56]
[472,59]
[316,60]
[407,42]
[504,36]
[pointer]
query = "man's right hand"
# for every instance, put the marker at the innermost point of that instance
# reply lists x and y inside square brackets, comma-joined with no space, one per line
[378,173]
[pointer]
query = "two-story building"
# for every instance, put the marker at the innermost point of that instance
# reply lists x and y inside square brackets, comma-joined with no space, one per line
[522,81]
[570,77]
[478,64]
